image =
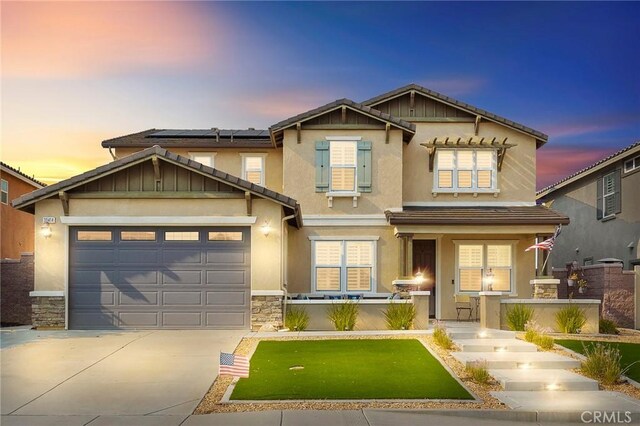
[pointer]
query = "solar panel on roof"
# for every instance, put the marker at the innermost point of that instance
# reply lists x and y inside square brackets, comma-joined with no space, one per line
[209,133]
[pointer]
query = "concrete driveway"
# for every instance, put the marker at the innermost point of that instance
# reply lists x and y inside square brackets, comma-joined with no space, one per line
[109,373]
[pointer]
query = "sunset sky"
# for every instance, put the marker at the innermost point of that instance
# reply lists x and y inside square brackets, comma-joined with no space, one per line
[76,73]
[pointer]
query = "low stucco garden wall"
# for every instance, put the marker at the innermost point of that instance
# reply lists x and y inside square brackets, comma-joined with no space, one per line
[545,312]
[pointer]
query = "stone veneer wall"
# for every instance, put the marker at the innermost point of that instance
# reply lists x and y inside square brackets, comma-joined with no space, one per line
[16,278]
[48,311]
[607,283]
[266,310]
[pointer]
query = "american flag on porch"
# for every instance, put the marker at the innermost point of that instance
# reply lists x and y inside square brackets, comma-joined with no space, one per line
[548,243]
[233,365]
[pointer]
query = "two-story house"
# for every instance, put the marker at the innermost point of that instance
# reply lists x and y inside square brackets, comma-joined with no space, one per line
[603,202]
[211,228]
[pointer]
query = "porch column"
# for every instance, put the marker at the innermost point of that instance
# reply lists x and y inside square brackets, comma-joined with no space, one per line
[405,259]
[490,309]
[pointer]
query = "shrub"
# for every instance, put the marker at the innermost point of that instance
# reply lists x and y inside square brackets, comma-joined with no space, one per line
[343,315]
[545,342]
[602,363]
[297,319]
[441,337]
[532,330]
[400,316]
[478,372]
[570,319]
[518,316]
[608,327]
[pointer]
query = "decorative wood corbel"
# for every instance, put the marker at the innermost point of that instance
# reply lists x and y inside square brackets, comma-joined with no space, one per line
[298,132]
[247,197]
[64,199]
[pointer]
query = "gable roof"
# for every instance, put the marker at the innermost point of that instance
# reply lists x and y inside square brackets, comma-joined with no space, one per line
[408,129]
[291,206]
[21,175]
[632,149]
[193,138]
[540,137]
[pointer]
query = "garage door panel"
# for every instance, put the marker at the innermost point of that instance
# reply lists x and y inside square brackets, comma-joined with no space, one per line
[138,298]
[182,277]
[93,298]
[138,256]
[230,257]
[154,284]
[182,319]
[227,319]
[93,277]
[93,256]
[182,298]
[226,277]
[139,319]
[138,277]
[226,298]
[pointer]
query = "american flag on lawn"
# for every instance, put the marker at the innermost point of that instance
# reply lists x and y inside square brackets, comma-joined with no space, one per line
[548,243]
[234,365]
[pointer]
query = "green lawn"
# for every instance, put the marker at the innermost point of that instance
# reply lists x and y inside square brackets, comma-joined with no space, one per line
[630,353]
[346,369]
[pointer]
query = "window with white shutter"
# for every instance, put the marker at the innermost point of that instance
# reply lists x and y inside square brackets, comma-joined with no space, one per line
[476,259]
[465,170]
[342,161]
[344,266]
[253,169]
[206,158]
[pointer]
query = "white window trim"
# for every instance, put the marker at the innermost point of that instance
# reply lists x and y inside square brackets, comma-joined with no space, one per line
[633,166]
[605,195]
[474,173]
[485,243]
[5,192]
[343,265]
[348,192]
[263,173]
[193,154]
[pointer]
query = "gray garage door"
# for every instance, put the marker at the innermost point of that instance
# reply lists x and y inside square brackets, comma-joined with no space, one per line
[160,277]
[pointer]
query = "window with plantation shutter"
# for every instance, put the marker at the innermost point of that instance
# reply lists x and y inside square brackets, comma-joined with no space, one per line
[475,259]
[610,193]
[253,169]
[344,266]
[465,170]
[342,160]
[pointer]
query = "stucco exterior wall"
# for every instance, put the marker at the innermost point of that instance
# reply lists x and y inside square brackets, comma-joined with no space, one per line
[300,173]
[52,253]
[17,227]
[516,180]
[545,310]
[299,249]
[230,161]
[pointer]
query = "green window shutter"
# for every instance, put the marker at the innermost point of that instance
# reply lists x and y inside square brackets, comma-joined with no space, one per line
[322,166]
[599,184]
[364,166]
[617,198]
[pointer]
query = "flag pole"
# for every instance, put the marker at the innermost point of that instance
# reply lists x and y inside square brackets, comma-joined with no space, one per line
[545,262]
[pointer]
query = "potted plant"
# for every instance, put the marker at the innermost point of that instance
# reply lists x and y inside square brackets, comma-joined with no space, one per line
[572,279]
[582,285]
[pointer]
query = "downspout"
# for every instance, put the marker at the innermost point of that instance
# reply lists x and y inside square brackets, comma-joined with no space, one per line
[283,258]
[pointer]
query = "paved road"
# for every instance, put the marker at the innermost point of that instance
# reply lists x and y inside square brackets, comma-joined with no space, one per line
[109,373]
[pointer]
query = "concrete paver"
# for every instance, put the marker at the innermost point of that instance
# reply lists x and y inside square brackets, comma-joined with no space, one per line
[557,401]
[123,373]
[533,380]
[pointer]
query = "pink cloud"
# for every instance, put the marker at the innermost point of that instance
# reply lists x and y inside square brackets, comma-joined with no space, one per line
[554,164]
[585,125]
[76,39]
[281,105]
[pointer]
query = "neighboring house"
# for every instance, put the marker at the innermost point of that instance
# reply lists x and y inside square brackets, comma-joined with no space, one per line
[17,226]
[16,250]
[208,228]
[603,202]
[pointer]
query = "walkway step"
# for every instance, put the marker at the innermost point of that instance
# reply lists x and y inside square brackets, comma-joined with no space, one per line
[590,401]
[539,380]
[494,345]
[466,333]
[505,360]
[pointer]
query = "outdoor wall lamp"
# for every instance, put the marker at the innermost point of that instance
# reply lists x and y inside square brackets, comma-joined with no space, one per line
[419,278]
[45,230]
[488,280]
[265,228]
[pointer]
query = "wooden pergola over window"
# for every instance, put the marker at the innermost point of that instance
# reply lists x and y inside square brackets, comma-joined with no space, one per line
[468,142]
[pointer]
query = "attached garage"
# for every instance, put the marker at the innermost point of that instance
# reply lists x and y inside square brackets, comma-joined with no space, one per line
[155,240]
[159,277]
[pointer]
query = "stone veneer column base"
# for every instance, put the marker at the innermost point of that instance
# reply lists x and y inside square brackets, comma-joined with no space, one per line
[48,311]
[545,288]
[265,311]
